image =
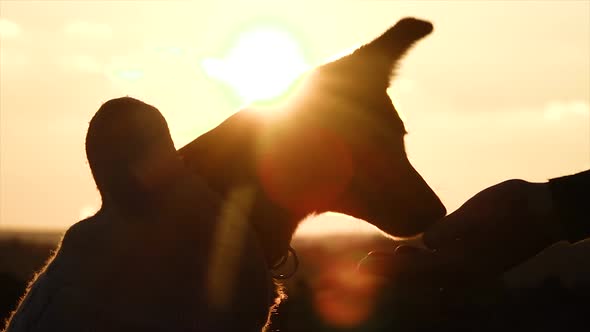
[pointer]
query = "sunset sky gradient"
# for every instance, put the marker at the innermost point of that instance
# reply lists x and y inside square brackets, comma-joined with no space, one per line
[499,90]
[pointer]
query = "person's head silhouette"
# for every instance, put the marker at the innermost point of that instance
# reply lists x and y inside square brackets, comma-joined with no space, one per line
[130,153]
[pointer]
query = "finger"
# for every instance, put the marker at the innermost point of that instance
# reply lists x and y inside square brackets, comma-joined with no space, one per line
[377,263]
[382,262]
[406,249]
[405,261]
[450,232]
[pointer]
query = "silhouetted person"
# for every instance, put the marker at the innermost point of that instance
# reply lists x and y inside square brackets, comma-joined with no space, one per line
[147,260]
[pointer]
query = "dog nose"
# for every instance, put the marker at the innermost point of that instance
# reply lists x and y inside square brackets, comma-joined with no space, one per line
[438,209]
[420,206]
[430,208]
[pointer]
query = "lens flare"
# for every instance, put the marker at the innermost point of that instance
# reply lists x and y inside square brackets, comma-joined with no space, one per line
[261,65]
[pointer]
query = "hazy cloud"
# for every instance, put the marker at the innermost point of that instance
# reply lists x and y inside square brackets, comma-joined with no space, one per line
[88,30]
[557,110]
[83,63]
[9,29]
[14,59]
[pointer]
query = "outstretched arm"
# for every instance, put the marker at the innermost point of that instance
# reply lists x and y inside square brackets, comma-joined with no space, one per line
[498,228]
[571,201]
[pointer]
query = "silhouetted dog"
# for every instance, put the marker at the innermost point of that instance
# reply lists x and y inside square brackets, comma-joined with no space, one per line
[336,145]
[165,253]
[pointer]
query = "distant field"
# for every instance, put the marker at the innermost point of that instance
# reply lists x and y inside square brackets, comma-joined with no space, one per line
[32,236]
[22,253]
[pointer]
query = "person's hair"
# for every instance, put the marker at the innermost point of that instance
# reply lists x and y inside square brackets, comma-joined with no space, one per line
[123,132]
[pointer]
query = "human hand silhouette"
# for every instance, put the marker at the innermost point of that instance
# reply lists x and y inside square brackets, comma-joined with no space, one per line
[499,227]
[493,231]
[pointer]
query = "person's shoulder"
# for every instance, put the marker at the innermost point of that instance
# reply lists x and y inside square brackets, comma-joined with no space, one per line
[85,232]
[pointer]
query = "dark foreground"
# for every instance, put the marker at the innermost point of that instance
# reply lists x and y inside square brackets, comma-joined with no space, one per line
[328,295]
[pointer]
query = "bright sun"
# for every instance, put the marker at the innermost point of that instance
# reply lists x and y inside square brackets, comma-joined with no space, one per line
[261,65]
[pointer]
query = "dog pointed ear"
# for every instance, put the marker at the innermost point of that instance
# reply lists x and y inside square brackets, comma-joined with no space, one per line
[392,45]
[373,64]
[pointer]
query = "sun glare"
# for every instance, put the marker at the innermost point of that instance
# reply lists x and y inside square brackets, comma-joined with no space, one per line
[261,65]
[331,223]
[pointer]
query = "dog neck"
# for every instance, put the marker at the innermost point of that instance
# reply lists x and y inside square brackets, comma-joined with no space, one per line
[274,227]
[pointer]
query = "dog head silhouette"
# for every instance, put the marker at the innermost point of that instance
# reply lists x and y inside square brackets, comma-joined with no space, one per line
[336,145]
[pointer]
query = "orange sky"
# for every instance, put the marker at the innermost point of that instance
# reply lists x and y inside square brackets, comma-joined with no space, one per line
[500,89]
